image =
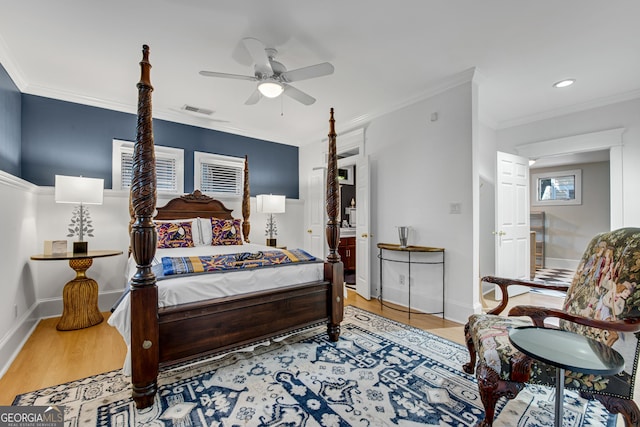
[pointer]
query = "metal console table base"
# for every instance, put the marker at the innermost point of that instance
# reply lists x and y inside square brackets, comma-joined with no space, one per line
[409,250]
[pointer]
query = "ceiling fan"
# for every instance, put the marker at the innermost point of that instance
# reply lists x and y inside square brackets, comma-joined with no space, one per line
[272,77]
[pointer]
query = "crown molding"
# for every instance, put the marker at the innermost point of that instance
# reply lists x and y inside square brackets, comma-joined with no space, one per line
[593,141]
[63,95]
[437,88]
[582,106]
[11,67]
[6,179]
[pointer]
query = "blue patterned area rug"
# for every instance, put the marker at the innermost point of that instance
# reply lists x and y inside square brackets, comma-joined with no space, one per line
[380,373]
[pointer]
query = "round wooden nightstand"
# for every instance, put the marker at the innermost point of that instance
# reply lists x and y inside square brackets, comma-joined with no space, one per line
[80,295]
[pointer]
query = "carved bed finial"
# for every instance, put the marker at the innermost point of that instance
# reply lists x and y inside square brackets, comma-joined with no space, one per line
[333,230]
[246,202]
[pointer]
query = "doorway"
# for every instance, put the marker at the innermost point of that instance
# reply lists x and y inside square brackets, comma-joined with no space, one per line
[350,149]
[560,150]
[348,220]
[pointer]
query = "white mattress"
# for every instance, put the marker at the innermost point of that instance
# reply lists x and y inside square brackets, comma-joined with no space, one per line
[180,290]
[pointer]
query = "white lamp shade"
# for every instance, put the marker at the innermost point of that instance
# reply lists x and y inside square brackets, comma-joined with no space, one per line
[270,203]
[270,89]
[78,189]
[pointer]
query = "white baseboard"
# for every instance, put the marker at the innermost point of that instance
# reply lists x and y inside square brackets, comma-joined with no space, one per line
[452,311]
[16,338]
[569,264]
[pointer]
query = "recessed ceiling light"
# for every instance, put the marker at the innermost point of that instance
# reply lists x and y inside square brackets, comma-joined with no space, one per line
[564,83]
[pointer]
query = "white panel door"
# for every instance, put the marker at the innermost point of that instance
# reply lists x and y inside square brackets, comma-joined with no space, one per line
[512,220]
[315,239]
[363,236]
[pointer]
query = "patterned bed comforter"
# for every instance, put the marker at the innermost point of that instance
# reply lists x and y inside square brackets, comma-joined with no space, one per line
[227,262]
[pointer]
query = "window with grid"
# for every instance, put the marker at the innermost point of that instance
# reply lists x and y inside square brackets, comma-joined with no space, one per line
[215,174]
[558,188]
[169,167]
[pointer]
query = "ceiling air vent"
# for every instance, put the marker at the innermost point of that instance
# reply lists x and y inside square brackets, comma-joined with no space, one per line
[192,109]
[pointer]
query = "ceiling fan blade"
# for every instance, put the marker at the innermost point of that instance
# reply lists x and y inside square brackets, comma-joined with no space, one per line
[227,76]
[260,58]
[298,95]
[309,72]
[254,98]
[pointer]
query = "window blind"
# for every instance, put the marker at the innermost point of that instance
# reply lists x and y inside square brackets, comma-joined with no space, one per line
[220,178]
[166,177]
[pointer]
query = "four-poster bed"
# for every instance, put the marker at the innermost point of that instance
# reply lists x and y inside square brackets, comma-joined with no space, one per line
[162,336]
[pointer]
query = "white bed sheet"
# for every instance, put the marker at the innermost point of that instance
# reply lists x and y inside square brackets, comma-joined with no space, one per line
[181,290]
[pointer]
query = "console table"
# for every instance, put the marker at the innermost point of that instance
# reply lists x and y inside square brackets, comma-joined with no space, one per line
[409,250]
[80,295]
[566,350]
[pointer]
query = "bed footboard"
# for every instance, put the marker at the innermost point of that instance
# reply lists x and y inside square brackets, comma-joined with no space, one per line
[216,326]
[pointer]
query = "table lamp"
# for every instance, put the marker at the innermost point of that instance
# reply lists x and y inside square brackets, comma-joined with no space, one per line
[82,191]
[270,203]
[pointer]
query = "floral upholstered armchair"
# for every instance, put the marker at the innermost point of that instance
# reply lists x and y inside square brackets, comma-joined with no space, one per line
[602,302]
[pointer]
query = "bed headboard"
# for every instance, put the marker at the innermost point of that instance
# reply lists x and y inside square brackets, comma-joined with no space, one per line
[192,206]
[200,205]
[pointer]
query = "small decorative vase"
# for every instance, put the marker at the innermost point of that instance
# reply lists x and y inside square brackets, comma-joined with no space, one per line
[403,234]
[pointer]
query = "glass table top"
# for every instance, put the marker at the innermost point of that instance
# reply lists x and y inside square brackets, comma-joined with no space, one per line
[567,350]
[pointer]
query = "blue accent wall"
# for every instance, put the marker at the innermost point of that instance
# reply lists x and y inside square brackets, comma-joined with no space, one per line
[10,120]
[65,138]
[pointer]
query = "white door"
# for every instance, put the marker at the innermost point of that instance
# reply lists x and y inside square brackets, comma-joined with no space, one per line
[363,236]
[315,240]
[512,220]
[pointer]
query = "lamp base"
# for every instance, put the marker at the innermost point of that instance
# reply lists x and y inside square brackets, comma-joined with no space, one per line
[80,248]
[271,242]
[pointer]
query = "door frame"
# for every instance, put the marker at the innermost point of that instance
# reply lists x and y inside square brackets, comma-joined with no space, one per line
[351,145]
[595,141]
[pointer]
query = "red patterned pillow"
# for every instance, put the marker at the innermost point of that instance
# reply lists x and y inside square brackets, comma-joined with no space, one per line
[174,235]
[226,232]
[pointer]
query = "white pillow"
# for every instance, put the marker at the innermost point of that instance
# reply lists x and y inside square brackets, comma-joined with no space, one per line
[206,234]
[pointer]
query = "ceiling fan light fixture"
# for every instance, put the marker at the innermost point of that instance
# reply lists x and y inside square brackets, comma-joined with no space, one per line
[270,88]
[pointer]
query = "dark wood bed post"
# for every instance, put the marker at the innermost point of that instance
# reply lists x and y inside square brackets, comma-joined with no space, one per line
[144,292]
[334,265]
[246,202]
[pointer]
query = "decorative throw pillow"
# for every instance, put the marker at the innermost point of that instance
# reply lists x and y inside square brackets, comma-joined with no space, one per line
[226,232]
[174,235]
[196,230]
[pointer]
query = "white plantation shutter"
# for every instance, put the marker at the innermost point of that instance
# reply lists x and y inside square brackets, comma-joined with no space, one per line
[169,167]
[217,174]
[166,179]
[126,165]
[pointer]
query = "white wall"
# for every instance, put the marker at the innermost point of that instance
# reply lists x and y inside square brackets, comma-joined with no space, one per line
[418,168]
[623,114]
[487,171]
[18,213]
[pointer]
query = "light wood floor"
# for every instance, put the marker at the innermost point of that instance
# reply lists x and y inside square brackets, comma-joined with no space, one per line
[52,357]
